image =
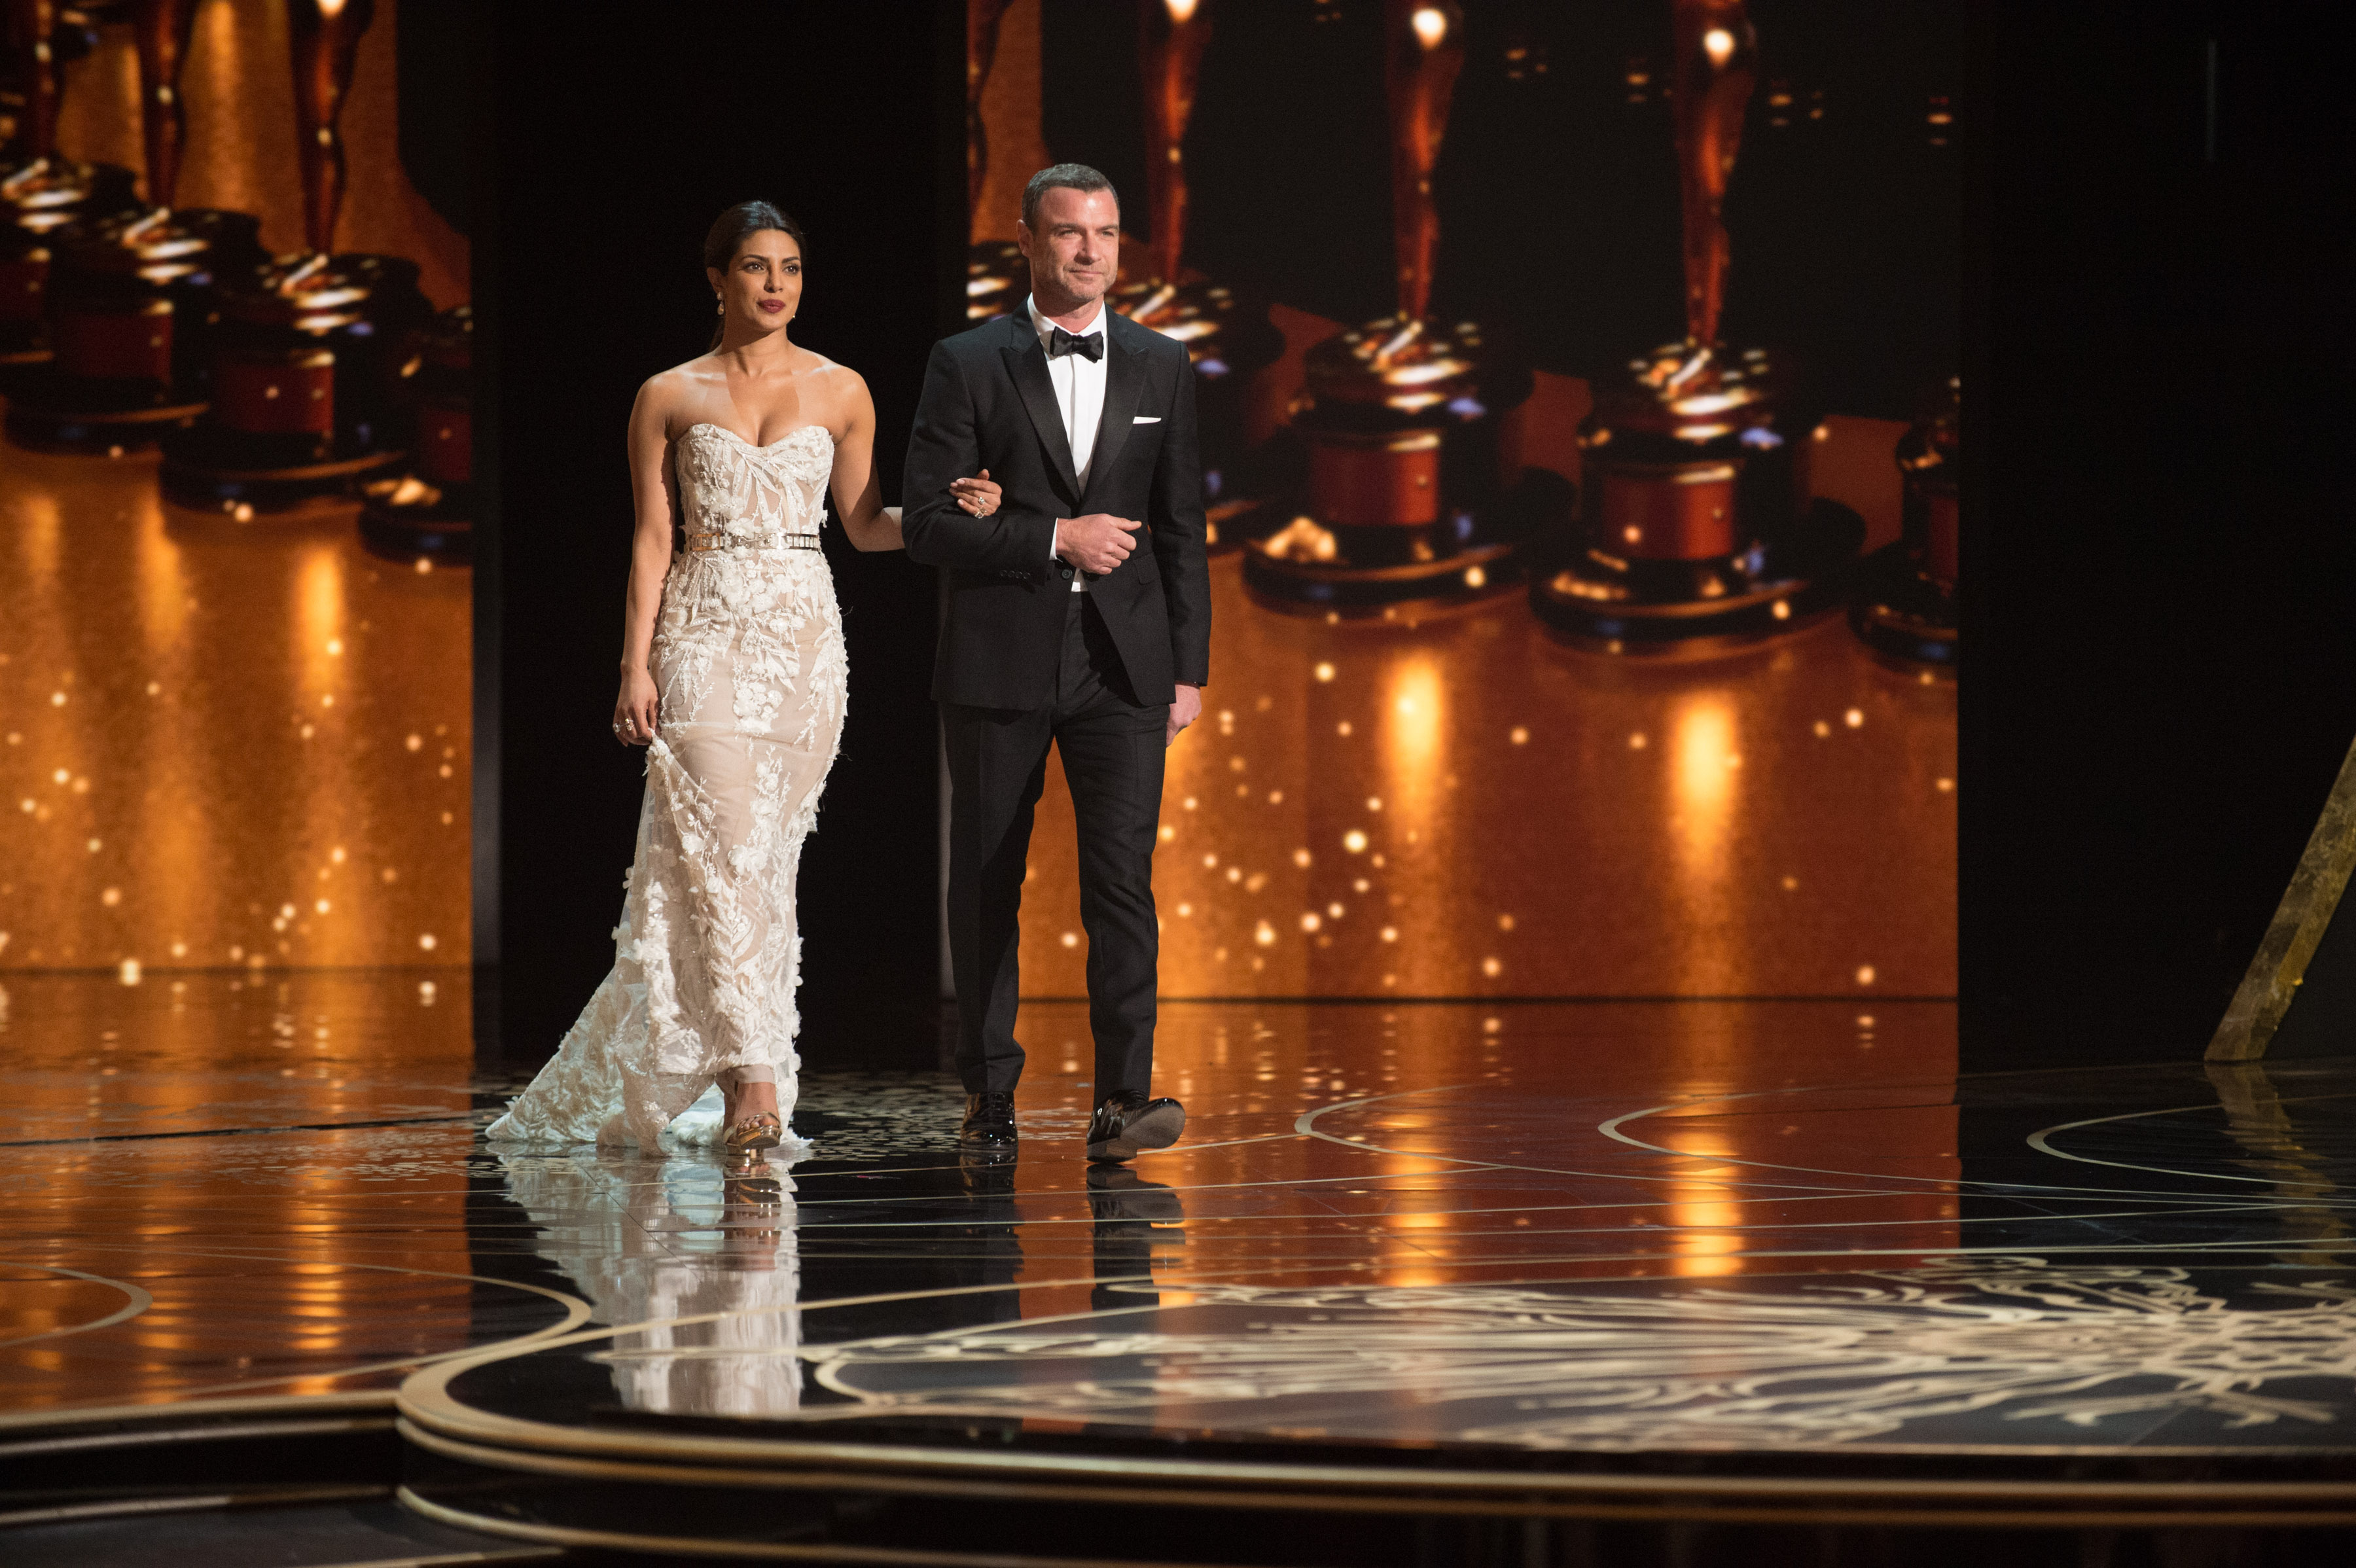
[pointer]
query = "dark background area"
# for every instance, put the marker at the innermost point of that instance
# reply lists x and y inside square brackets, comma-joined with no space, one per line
[2158,693]
[2319,1021]
[2157,690]
[605,154]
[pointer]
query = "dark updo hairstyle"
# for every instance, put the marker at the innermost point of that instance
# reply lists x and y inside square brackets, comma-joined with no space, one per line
[733,227]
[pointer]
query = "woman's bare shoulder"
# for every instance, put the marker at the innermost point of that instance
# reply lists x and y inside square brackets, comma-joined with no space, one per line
[666,392]
[843,389]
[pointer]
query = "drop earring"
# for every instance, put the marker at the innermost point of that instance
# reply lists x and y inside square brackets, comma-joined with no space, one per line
[720,308]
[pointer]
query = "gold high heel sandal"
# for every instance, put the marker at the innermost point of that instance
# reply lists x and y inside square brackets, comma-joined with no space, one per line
[758,1131]
[762,1130]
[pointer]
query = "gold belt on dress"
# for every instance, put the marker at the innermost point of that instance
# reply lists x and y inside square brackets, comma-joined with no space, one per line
[703,542]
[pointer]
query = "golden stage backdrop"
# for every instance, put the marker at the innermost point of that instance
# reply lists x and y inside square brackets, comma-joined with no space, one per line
[240,102]
[1456,804]
[229,742]
[1511,695]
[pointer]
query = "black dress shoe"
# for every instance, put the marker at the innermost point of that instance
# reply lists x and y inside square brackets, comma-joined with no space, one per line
[989,1121]
[1127,1123]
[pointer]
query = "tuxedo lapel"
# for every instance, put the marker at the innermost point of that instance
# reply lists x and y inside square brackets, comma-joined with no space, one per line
[1124,382]
[1026,365]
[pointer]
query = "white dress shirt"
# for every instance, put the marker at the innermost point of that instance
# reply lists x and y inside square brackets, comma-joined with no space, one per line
[1079,384]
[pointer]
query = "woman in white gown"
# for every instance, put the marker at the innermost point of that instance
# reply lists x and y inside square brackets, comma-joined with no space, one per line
[733,679]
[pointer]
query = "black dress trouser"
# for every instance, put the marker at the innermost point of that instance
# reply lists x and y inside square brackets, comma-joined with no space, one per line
[1112,749]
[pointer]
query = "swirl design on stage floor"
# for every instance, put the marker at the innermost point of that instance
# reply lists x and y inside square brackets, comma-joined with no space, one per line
[1846,1359]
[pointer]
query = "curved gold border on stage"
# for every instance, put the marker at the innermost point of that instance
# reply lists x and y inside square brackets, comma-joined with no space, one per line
[787,1552]
[1310,1489]
[58,1420]
[177,1425]
[136,1300]
[436,1421]
[198,1404]
[208,1503]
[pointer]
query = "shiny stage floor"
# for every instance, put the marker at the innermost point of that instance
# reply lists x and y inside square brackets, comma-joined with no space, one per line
[1554,1239]
[1594,1227]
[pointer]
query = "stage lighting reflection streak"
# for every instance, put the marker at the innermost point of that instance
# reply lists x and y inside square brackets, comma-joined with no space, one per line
[1711,1217]
[1703,1212]
[136,1301]
[1700,810]
[576,1311]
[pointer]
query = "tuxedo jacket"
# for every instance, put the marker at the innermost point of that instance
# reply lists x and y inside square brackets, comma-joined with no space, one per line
[988,403]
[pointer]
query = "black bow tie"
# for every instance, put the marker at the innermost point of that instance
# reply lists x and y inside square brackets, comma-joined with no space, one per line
[1089,348]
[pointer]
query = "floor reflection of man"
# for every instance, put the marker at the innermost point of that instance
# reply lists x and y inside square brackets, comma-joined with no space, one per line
[1132,1216]
[991,1250]
[932,1243]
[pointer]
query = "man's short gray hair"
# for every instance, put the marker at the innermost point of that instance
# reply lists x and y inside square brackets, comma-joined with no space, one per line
[1076,176]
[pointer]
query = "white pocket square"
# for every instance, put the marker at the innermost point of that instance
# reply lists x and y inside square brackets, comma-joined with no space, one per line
[1147,419]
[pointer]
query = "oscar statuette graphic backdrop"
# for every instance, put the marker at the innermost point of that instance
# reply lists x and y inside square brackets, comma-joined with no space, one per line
[1578,393]
[237,726]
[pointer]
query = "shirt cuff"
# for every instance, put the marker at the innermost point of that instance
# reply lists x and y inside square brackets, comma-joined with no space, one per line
[1053,531]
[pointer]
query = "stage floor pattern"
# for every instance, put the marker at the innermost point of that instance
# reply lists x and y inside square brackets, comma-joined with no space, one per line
[1531,1228]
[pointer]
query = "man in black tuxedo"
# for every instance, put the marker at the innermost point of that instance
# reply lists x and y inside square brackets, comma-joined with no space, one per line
[1079,615]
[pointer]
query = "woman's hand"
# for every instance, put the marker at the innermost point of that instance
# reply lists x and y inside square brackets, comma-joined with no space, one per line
[979,495]
[633,710]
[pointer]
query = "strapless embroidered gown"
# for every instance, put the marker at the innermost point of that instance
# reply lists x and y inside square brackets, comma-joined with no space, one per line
[748,660]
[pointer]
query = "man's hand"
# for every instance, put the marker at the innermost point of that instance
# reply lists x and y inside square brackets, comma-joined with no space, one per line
[1184,709]
[1096,543]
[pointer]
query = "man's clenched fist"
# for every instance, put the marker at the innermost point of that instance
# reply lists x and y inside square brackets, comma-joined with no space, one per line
[1096,543]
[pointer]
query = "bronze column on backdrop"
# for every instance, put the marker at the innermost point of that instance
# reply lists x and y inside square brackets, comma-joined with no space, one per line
[981,22]
[41,192]
[317,351]
[1417,490]
[996,276]
[1171,38]
[1695,525]
[135,298]
[28,78]
[1229,342]
[1905,603]
[326,38]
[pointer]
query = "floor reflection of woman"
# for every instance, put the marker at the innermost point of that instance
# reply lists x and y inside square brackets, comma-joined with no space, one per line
[697,1262]
[733,678]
